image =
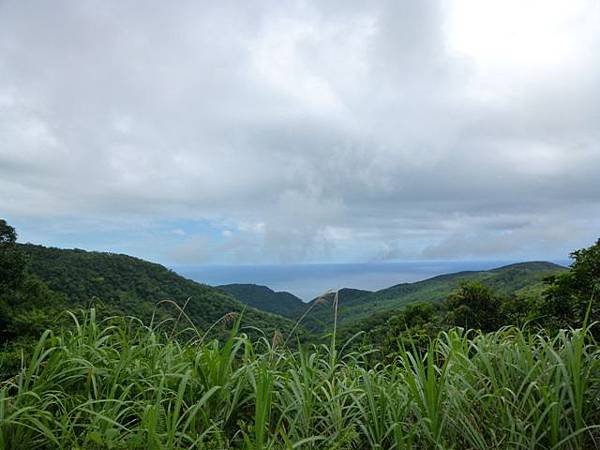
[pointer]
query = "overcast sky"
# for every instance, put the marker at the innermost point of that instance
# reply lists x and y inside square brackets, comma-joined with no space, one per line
[331,131]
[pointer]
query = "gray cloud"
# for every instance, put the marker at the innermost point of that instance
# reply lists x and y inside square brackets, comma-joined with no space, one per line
[300,130]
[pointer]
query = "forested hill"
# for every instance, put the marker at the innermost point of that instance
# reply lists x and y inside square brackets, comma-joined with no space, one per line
[126,285]
[262,297]
[344,295]
[507,280]
[131,286]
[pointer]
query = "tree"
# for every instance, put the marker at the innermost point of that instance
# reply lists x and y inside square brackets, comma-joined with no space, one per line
[569,294]
[412,327]
[27,305]
[12,261]
[8,235]
[474,306]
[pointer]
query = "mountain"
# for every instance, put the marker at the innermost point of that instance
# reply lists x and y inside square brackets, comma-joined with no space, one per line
[506,280]
[266,299]
[345,295]
[126,285]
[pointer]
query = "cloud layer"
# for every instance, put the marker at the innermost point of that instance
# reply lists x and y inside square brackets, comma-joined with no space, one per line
[302,131]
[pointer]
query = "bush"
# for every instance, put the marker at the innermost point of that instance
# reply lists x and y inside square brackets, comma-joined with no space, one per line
[119,384]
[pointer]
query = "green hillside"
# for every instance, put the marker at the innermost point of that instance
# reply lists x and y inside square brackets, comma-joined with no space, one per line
[322,308]
[345,295]
[509,279]
[123,284]
[131,286]
[266,299]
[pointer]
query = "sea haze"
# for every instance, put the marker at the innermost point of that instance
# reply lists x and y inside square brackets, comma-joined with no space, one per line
[310,280]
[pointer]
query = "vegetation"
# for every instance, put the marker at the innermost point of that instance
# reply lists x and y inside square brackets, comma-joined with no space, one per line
[118,384]
[26,303]
[37,284]
[11,260]
[568,297]
[511,286]
[496,364]
[123,285]
[475,306]
[561,302]
[515,279]
[264,298]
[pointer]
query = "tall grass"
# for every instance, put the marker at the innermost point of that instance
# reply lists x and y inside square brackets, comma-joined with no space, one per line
[118,384]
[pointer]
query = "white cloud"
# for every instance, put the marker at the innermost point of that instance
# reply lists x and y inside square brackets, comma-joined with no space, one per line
[308,130]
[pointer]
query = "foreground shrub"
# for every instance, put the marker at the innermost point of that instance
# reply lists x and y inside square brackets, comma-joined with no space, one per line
[120,385]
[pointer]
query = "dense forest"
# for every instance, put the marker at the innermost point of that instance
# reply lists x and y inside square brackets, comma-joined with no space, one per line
[262,297]
[94,357]
[515,289]
[39,284]
[131,286]
[516,280]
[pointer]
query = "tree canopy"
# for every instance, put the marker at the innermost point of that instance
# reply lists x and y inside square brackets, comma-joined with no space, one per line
[12,262]
[569,294]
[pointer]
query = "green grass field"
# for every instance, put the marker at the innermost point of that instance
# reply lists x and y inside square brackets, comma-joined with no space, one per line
[118,384]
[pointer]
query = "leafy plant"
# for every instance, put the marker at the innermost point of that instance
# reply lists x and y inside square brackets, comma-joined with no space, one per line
[118,384]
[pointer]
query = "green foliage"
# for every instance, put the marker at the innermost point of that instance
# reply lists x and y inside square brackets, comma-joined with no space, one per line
[569,294]
[474,306]
[37,284]
[505,281]
[265,299]
[123,285]
[12,262]
[116,384]
[28,310]
[320,310]
[27,306]
[415,326]
[102,382]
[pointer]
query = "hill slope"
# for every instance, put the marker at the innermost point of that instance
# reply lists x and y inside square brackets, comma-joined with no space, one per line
[505,280]
[131,286]
[266,299]
[345,295]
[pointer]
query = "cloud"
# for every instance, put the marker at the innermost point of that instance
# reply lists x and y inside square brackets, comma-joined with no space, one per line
[305,131]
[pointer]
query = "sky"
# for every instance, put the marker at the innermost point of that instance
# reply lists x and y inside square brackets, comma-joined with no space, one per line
[285,132]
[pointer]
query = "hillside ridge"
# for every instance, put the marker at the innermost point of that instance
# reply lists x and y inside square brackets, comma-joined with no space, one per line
[128,285]
[507,279]
[263,297]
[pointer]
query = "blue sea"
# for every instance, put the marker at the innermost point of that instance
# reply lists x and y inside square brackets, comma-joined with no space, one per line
[307,281]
